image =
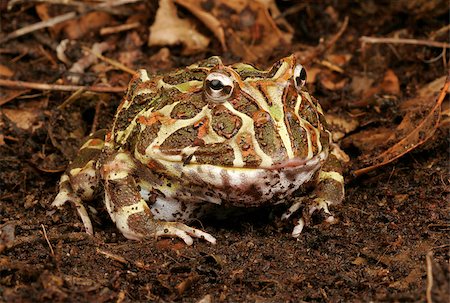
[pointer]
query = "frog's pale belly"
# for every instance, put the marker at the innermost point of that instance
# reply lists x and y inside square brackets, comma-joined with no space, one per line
[207,137]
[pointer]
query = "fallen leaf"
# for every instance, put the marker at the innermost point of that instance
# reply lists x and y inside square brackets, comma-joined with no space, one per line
[431,88]
[368,140]
[5,71]
[360,84]
[339,59]
[249,29]
[22,118]
[414,130]
[211,22]
[332,81]
[78,28]
[390,84]
[341,125]
[414,277]
[169,29]
[359,261]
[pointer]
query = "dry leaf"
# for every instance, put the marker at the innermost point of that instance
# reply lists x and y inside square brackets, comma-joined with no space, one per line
[341,125]
[414,130]
[169,29]
[78,28]
[389,85]
[5,71]
[332,81]
[23,118]
[339,59]
[249,29]
[360,84]
[369,140]
[211,22]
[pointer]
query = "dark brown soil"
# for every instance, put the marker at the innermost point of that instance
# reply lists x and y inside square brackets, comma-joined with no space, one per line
[391,219]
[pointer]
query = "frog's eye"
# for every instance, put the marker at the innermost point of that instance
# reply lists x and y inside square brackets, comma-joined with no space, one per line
[218,86]
[299,76]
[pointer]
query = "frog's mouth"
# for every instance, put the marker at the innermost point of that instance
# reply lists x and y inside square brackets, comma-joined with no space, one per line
[243,186]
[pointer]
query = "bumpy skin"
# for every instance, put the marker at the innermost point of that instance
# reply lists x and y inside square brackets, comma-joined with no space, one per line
[207,135]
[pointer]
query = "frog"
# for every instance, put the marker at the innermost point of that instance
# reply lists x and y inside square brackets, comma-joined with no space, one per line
[203,138]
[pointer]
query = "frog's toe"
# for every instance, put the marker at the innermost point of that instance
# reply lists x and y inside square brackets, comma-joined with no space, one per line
[184,232]
[63,197]
[294,208]
[298,228]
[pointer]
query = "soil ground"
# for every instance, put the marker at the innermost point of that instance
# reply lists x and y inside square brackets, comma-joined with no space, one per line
[391,235]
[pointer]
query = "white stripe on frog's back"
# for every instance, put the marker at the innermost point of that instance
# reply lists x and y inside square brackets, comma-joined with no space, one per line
[274,94]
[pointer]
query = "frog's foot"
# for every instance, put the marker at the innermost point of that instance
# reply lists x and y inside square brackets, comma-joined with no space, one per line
[316,205]
[182,231]
[136,222]
[65,195]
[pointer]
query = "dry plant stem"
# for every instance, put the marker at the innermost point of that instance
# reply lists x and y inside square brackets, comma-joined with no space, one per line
[39,25]
[46,239]
[119,28]
[336,37]
[111,61]
[59,87]
[110,255]
[431,43]
[97,113]
[429,277]
[324,47]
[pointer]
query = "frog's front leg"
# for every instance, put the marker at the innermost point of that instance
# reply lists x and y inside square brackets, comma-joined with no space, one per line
[80,181]
[328,191]
[130,211]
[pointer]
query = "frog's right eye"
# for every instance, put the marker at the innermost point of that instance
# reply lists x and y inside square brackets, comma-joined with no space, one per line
[218,87]
[299,76]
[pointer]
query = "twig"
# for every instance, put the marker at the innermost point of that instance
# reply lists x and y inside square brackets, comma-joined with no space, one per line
[119,28]
[111,61]
[96,115]
[59,87]
[39,25]
[431,43]
[110,255]
[336,37]
[429,277]
[46,239]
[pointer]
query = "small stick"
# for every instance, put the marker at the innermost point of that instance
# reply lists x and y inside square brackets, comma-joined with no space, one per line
[48,241]
[114,63]
[431,43]
[429,277]
[113,256]
[336,37]
[119,28]
[39,25]
[60,87]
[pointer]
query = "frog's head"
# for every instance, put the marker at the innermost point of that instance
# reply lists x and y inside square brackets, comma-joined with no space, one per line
[226,116]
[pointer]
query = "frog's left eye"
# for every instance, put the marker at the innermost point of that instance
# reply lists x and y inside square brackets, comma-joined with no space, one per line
[218,86]
[299,76]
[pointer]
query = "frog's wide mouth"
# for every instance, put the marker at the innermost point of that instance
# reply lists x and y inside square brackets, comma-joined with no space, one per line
[287,164]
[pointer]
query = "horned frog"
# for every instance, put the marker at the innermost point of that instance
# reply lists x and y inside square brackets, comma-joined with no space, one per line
[202,136]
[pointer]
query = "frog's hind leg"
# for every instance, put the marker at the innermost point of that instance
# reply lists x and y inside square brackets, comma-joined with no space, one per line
[80,181]
[328,191]
[127,206]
